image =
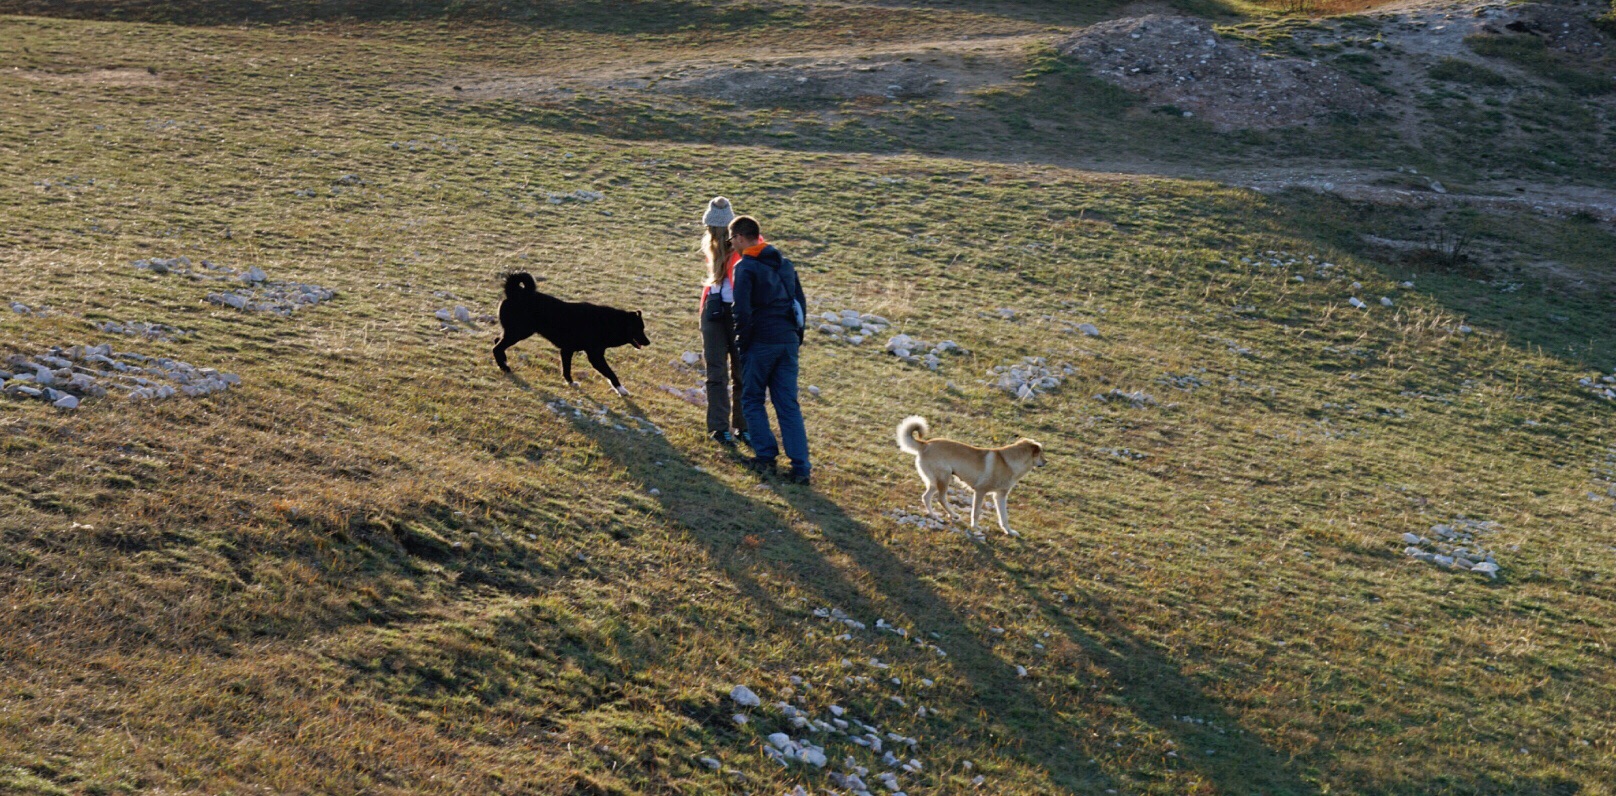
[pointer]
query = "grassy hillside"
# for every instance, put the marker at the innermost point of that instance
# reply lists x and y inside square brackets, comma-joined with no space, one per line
[376,565]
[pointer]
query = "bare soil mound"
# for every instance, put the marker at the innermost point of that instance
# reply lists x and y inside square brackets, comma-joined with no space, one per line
[812,81]
[1182,62]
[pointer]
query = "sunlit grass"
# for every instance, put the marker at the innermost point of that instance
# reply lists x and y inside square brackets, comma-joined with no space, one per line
[379,566]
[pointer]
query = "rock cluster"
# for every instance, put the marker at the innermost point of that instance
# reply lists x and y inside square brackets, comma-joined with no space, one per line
[852,326]
[602,416]
[281,298]
[181,265]
[580,195]
[460,319]
[64,376]
[693,395]
[1603,387]
[258,295]
[1029,378]
[23,309]
[1181,62]
[1455,546]
[1138,399]
[904,347]
[150,331]
[791,744]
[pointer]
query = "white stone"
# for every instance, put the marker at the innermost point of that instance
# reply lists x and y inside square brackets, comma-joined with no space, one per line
[254,275]
[738,718]
[1488,568]
[837,710]
[711,763]
[1089,329]
[744,697]
[1411,538]
[462,314]
[1385,301]
[1357,302]
[690,357]
[444,315]
[831,317]
[813,390]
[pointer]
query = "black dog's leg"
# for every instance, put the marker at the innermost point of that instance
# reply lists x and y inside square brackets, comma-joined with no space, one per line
[597,357]
[566,366]
[505,341]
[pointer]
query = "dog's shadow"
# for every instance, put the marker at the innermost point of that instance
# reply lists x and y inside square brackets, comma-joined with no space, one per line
[521,383]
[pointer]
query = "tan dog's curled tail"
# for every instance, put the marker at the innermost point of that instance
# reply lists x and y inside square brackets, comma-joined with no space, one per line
[911,433]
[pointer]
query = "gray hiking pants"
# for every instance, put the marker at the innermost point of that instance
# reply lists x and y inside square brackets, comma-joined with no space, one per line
[723,373]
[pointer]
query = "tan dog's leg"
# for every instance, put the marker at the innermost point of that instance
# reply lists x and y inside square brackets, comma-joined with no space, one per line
[927,496]
[976,507]
[1003,501]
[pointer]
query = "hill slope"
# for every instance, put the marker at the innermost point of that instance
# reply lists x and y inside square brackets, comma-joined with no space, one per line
[377,565]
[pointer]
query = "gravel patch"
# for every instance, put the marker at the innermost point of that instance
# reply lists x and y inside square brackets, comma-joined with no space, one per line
[1183,63]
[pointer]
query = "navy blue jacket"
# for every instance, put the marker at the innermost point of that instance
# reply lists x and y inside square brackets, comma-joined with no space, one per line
[765,286]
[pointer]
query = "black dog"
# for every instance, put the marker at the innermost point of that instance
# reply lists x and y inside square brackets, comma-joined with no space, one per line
[571,326]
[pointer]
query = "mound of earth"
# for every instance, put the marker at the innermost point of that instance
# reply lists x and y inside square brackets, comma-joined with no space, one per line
[1182,62]
[813,81]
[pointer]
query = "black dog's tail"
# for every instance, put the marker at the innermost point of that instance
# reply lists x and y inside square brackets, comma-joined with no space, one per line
[518,283]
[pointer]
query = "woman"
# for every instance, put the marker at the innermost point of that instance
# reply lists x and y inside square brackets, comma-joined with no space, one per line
[718,327]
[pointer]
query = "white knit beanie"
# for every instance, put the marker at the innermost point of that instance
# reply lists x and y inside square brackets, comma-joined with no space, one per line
[719,213]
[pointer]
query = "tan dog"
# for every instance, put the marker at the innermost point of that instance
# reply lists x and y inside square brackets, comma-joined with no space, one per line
[987,471]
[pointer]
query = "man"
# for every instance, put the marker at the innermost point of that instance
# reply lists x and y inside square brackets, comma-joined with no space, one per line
[769,307]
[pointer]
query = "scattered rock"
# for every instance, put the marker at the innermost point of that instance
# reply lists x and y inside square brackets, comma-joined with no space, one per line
[92,371]
[1029,378]
[1138,399]
[744,697]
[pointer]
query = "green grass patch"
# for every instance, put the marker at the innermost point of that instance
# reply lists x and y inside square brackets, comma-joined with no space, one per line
[1455,70]
[1533,55]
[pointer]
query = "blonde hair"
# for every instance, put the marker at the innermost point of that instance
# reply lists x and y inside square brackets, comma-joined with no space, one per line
[715,245]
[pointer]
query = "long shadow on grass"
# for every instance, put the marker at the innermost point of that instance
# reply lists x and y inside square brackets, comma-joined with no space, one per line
[1043,739]
[1158,693]
[719,518]
[1152,681]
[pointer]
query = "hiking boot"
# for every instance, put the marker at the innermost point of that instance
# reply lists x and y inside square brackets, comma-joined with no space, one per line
[744,437]
[760,466]
[721,437]
[799,478]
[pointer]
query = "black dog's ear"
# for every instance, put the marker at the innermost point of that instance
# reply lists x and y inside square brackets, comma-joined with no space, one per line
[637,314]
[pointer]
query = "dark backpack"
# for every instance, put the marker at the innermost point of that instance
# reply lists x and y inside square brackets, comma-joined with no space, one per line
[799,312]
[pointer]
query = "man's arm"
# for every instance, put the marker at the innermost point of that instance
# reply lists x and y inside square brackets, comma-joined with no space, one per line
[742,276]
[802,301]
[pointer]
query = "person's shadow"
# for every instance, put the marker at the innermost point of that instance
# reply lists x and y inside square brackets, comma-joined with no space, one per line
[721,519]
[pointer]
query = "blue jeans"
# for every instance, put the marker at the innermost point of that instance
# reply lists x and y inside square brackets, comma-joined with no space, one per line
[772,367]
